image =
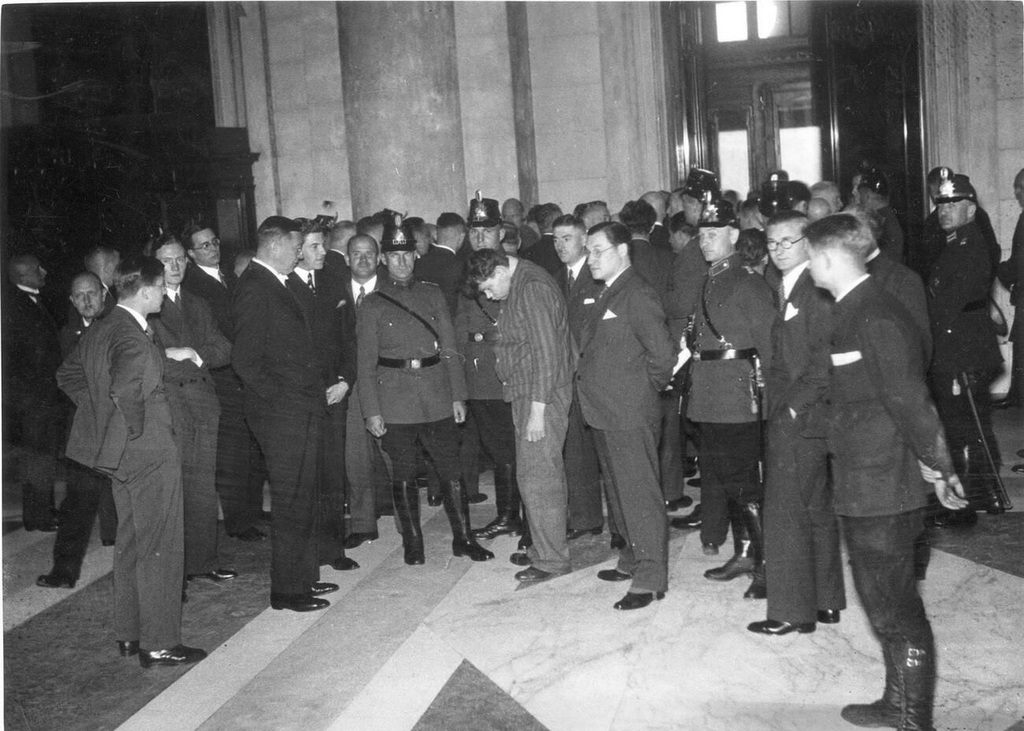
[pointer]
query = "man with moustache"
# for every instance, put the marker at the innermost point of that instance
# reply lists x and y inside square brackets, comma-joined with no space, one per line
[123,428]
[323,297]
[626,360]
[581,465]
[191,343]
[285,407]
[240,469]
[802,560]
[88,492]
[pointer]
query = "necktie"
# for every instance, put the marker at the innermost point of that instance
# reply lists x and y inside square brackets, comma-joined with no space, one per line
[781,292]
[572,280]
[362,293]
[312,286]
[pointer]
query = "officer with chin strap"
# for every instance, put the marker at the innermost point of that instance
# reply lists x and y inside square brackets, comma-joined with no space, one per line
[413,392]
[732,344]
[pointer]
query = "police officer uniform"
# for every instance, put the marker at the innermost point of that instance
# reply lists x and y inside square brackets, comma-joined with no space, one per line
[732,342]
[409,374]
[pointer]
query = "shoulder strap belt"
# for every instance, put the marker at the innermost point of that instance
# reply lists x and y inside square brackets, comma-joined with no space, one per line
[398,304]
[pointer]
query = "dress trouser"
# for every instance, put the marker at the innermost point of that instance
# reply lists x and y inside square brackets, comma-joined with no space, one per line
[88,495]
[290,435]
[629,461]
[801,532]
[582,474]
[540,471]
[240,469]
[670,447]
[369,479]
[729,471]
[149,559]
[41,427]
[332,483]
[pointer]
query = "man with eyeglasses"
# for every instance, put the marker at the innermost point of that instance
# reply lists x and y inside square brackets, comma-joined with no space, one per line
[802,560]
[240,469]
[732,347]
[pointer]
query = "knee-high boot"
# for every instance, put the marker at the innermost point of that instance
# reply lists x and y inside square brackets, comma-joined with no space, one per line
[407,510]
[742,561]
[456,506]
[915,670]
[885,712]
[758,588]
[507,498]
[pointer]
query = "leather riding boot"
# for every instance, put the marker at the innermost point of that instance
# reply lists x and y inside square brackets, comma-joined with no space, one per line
[753,518]
[915,668]
[885,712]
[407,510]
[980,483]
[742,561]
[508,521]
[456,506]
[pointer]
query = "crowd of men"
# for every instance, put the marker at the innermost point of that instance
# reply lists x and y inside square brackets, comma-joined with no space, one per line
[577,355]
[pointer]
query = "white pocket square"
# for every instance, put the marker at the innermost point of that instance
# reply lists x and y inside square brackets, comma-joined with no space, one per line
[791,311]
[841,359]
[589,301]
[609,315]
[341,304]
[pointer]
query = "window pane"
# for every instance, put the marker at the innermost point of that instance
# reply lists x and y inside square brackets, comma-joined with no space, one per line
[800,149]
[772,18]
[734,161]
[799,18]
[731,21]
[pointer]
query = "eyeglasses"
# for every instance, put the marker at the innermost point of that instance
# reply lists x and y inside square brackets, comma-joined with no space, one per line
[783,243]
[212,243]
[596,253]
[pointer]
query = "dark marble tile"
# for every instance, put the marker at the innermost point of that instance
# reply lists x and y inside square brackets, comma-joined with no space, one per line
[996,541]
[471,700]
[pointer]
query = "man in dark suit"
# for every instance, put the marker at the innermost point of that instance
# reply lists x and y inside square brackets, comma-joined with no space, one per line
[906,287]
[412,391]
[192,345]
[367,467]
[1011,275]
[582,474]
[337,237]
[543,252]
[802,560]
[285,407]
[102,261]
[655,264]
[441,264]
[123,428]
[32,404]
[240,469]
[88,492]
[323,297]
[658,234]
[882,423]
[626,360]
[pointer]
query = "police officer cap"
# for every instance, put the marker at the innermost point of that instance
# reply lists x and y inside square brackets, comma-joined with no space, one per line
[699,182]
[875,180]
[954,188]
[774,195]
[717,211]
[483,212]
[397,236]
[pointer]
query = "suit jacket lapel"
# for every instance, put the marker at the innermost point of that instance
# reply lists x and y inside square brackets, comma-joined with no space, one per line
[601,306]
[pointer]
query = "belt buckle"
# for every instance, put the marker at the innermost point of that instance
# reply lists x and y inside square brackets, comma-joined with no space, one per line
[478,337]
[415,363]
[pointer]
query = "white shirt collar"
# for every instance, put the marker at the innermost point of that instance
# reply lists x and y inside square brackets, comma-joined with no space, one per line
[368,286]
[790,277]
[852,286]
[28,290]
[282,278]
[873,255]
[303,274]
[173,294]
[138,317]
[212,271]
[577,267]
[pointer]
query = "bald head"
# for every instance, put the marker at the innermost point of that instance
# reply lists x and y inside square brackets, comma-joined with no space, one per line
[818,208]
[25,269]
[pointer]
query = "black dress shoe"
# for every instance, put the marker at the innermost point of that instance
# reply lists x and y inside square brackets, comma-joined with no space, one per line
[471,549]
[505,525]
[1020,453]
[343,563]
[322,587]
[534,575]
[127,648]
[1006,403]
[476,499]
[574,533]
[771,627]
[297,602]
[828,616]
[693,482]
[1018,469]
[618,542]
[434,500]
[53,581]
[217,575]
[355,540]
[679,503]
[249,535]
[688,522]
[638,600]
[613,575]
[179,655]
[520,558]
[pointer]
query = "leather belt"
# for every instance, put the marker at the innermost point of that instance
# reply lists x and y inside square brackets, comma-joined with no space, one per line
[414,363]
[728,354]
[483,337]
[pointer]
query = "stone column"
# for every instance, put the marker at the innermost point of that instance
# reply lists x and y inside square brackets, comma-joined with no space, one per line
[402,114]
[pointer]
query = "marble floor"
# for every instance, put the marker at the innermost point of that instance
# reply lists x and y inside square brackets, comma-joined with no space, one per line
[459,645]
